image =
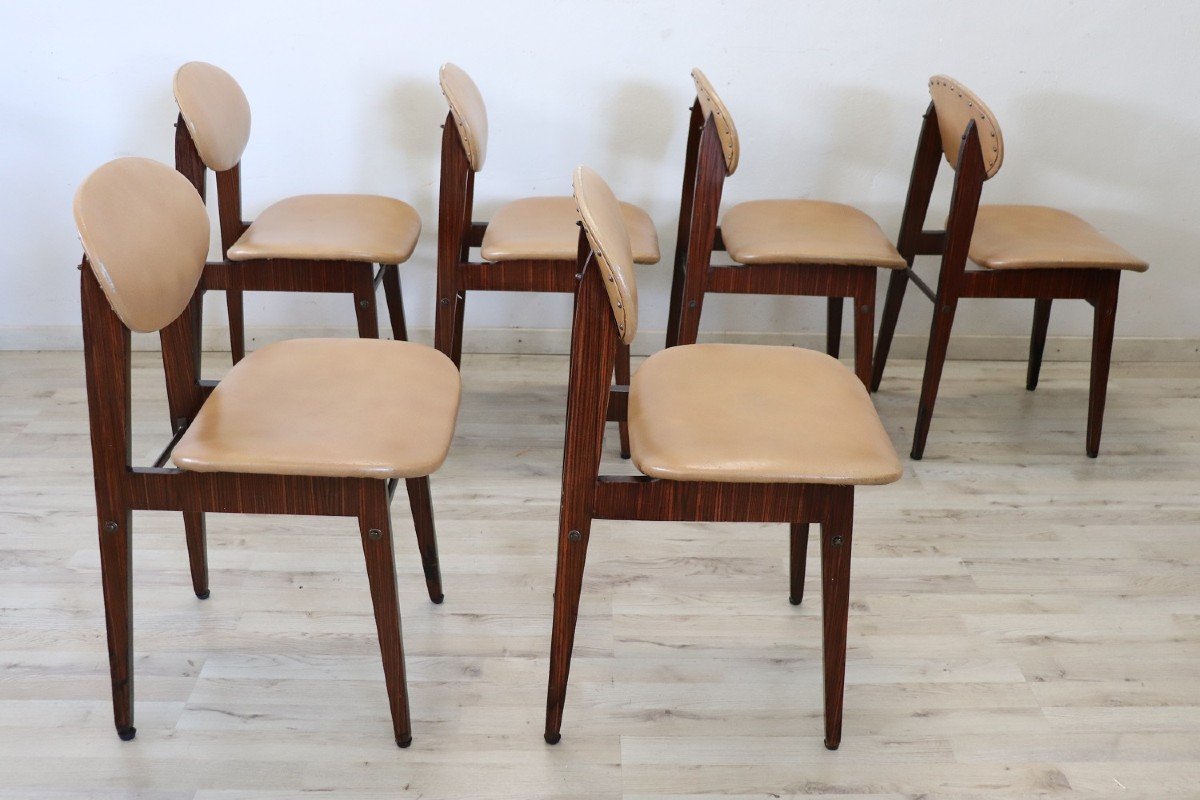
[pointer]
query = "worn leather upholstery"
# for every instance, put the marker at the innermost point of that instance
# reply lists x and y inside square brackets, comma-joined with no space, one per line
[364,408]
[604,224]
[805,232]
[470,114]
[755,414]
[711,103]
[1031,237]
[547,228]
[327,227]
[956,106]
[216,113]
[145,232]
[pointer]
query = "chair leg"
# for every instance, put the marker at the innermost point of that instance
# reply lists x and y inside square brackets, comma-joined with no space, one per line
[622,379]
[395,301]
[935,359]
[678,280]
[197,545]
[799,553]
[568,583]
[444,318]
[1104,319]
[833,326]
[835,611]
[375,526]
[116,577]
[364,302]
[897,283]
[864,330]
[422,512]
[237,323]
[1037,340]
[460,310]
[690,304]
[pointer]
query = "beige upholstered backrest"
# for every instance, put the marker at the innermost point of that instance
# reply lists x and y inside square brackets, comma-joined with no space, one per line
[956,106]
[710,103]
[216,113]
[605,228]
[145,232]
[470,114]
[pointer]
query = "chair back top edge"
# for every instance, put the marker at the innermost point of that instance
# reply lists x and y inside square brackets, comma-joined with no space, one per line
[604,225]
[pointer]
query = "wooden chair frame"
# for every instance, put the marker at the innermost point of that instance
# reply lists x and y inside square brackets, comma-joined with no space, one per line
[699,236]
[281,274]
[588,495]
[457,274]
[122,488]
[1097,286]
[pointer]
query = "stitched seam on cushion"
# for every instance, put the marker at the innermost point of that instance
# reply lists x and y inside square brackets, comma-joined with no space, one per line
[976,111]
[598,249]
[464,130]
[728,141]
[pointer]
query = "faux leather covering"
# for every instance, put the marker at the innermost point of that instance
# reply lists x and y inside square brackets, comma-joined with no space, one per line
[145,232]
[336,408]
[470,114]
[806,232]
[956,106]
[753,413]
[711,103]
[547,228]
[1033,237]
[605,227]
[216,113]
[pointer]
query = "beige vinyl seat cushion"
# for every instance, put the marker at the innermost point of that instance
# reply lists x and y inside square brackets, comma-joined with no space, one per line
[755,413]
[545,228]
[363,408]
[806,232]
[1032,237]
[332,227]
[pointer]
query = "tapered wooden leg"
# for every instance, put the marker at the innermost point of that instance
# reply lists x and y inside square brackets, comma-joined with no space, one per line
[116,577]
[395,301]
[364,303]
[422,512]
[460,312]
[835,611]
[864,331]
[678,279]
[237,323]
[568,583]
[935,359]
[689,311]
[897,283]
[622,370]
[444,317]
[375,525]
[1104,318]
[1037,340]
[799,552]
[197,545]
[833,326]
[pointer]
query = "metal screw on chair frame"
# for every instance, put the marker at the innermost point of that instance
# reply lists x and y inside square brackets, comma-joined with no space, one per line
[574,536]
[375,534]
[111,527]
[836,541]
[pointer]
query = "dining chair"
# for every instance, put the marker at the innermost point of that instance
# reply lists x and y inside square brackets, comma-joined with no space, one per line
[324,427]
[307,243]
[528,245]
[1029,252]
[779,247]
[720,433]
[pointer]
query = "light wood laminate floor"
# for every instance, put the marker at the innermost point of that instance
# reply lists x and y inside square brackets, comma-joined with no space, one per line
[1025,622]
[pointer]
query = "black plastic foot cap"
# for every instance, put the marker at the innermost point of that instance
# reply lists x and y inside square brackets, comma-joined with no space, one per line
[794,601]
[203,595]
[404,742]
[552,738]
[833,746]
[625,455]
[1093,453]
[438,600]
[127,733]
[915,456]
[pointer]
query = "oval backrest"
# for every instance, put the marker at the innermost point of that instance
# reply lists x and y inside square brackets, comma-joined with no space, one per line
[216,113]
[470,114]
[711,103]
[956,106]
[604,225]
[145,232]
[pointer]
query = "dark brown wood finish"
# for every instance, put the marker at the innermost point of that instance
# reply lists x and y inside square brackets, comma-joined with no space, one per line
[588,495]
[955,281]
[699,237]
[122,488]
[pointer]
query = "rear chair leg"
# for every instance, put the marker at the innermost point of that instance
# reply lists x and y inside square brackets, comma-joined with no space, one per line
[364,302]
[197,545]
[395,301]
[422,512]
[1037,340]
[935,359]
[237,323]
[1104,320]
[835,611]
[116,577]
[833,326]
[864,329]
[622,379]
[799,552]
[897,283]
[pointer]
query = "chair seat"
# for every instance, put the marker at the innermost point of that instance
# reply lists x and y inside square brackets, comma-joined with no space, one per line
[544,228]
[336,408]
[332,227]
[806,232]
[1037,237]
[755,414]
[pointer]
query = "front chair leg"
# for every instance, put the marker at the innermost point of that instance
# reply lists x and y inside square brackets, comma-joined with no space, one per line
[460,313]
[375,526]
[116,577]
[395,301]
[237,323]
[422,512]
[197,545]
[835,611]
[622,379]
[864,328]
[364,302]
[897,283]
[833,326]
[568,583]
[1037,340]
[799,553]
[1104,320]
[935,359]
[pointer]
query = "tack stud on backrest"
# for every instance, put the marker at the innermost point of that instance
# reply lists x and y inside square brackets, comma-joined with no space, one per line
[605,228]
[216,113]
[956,106]
[470,114]
[145,232]
[711,103]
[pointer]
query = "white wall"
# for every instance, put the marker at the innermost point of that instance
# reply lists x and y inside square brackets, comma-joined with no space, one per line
[1098,103]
